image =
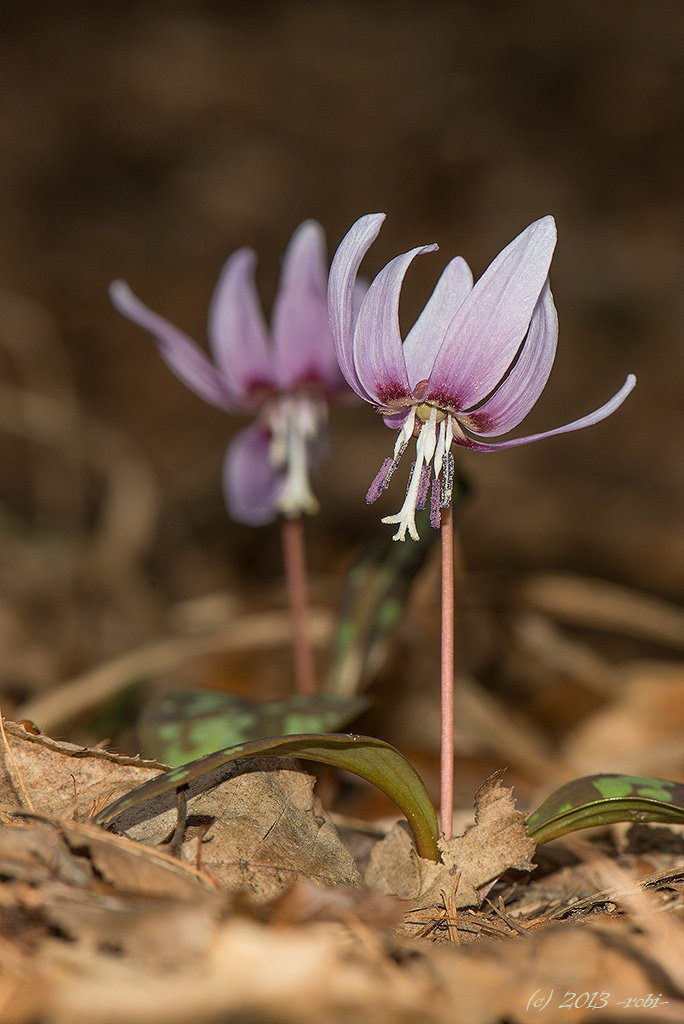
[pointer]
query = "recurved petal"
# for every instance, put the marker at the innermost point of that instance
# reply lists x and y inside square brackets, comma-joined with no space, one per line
[180,354]
[300,324]
[236,327]
[512,401]
[341,284]
[586,421]
[251,486]
[358,295]
[491,322]
[395,420]
[378,347]
[425,337]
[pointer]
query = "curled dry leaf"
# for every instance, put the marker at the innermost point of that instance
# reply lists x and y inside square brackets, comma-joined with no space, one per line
[496,842]
[104,893]
[252,826]
[124,866]
[51,777]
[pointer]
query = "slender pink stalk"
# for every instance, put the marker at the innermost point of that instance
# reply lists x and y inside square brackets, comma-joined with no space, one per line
[447,674]
[295,573]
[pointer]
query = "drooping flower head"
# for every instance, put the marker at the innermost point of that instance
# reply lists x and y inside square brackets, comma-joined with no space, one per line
[285,380]
[472,366]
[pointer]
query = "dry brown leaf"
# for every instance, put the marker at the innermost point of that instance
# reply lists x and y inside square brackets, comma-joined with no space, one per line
[151,932]
[254,973]
[253,825]
[547,975]
[640,732]
[305,903]
[597,604]
[52,777]
[35,854]
[256,830]
[396,869]
[128,867]
[496,842]
[24,991]
[249,971]
[102,947]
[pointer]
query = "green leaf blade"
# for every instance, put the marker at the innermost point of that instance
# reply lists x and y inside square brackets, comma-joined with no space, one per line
[371,759]
[604,800]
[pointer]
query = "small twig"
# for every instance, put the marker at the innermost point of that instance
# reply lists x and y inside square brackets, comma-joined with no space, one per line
[501,913]
[16,766]
[98,803]
[451,914]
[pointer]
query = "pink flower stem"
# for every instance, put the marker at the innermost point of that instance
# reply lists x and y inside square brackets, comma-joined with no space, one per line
[447,731]
[295,574]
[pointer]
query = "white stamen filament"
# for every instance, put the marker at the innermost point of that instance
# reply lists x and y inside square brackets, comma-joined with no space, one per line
[425,449]
[441,446]
[449,440]
[295,422]
[405,434]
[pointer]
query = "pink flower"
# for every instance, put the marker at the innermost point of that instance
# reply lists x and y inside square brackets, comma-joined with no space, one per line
[285,380]
[472,366]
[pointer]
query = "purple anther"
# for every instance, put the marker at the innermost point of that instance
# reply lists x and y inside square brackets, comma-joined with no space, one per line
[447,480]
[435,514]
[423,487]
[381,480]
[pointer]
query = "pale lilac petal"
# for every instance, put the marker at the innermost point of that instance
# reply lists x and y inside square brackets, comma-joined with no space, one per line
[358,295]
[341,283]
[237,331]
[181,355]
[427,334]
[378,346]
[395,420]
[492,321]
[251,487]
[586,421]
[300,326]
[512,401]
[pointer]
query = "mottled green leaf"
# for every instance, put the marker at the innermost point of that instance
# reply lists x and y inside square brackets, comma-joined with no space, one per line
[374,760]
[182,725]
[603,800]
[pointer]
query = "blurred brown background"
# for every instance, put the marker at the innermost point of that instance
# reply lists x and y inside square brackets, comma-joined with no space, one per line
[149,140]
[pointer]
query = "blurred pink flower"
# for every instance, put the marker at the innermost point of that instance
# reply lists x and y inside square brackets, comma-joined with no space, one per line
[285,381]
[472,366]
